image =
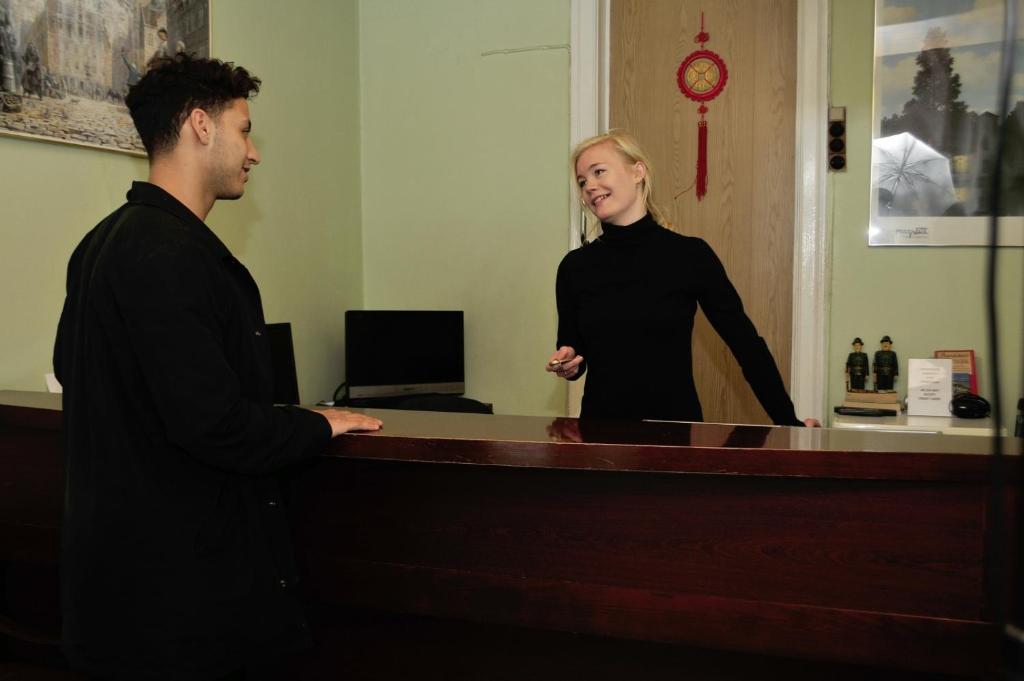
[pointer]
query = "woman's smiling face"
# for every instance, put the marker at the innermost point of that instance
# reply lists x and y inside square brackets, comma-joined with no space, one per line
[610,185]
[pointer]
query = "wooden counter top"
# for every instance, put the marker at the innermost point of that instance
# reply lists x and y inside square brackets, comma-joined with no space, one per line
[669,447]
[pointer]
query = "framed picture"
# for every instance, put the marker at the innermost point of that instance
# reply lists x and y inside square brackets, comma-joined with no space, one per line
[66,66]
[936,123]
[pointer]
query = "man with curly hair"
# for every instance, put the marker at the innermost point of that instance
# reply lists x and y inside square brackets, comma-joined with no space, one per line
[175,560]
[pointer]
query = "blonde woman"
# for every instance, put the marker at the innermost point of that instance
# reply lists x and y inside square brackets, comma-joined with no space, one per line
[626,301]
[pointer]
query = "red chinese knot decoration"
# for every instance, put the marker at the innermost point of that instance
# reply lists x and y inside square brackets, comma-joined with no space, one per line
[702,77]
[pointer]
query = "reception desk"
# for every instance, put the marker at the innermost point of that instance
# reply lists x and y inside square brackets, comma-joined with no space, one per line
[479,547]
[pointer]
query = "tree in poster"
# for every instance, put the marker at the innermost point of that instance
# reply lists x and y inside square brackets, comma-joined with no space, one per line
[935,114]
[1012,195]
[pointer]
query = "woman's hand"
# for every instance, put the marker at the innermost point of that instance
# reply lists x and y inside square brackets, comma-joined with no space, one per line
[812,423]
[565,362]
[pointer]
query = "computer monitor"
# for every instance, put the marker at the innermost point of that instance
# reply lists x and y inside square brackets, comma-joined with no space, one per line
[404,352]
[282,357]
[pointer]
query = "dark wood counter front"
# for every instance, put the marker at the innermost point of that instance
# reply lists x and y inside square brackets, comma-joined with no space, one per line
[613,550]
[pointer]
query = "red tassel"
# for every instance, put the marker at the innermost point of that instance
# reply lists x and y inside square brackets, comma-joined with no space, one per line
[702,159]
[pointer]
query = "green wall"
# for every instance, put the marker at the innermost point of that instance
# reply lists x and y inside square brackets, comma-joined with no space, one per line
[297,228]
[50,195]
[926,298]
[465,179]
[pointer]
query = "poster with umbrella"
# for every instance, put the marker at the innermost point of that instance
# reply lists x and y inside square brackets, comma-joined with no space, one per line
[910,177]
[936,122]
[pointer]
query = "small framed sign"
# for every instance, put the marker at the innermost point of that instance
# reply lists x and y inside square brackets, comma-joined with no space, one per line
[929,387]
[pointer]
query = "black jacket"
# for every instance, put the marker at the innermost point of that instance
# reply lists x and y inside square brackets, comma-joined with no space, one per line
[175,561]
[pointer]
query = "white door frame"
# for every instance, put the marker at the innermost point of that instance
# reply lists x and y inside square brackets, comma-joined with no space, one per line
[588,115]
[811,244]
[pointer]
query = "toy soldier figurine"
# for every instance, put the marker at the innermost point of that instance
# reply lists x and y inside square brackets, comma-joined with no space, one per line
[887,366]
[856,366]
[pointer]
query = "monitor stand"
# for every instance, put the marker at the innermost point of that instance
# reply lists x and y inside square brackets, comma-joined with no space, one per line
[428,402]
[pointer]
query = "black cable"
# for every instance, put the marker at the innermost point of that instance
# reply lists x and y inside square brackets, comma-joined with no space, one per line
[337,390]
[998,586]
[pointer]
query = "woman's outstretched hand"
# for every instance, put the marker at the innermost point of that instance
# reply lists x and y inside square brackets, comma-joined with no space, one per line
[565,362]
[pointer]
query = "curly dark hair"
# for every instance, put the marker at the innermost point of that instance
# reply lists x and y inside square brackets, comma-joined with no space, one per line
[175,86]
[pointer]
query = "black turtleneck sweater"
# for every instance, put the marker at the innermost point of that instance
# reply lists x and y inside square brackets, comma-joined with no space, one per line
[626,302]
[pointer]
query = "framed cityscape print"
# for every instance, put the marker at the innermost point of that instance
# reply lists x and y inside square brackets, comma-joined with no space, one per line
[66,65]
[936,125]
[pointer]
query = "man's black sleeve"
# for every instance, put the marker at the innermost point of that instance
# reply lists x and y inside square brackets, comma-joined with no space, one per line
[176,331]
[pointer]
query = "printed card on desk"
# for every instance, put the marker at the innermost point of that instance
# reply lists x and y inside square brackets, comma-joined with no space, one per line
[929,387]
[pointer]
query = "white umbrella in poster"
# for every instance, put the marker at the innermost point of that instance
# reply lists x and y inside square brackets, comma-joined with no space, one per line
[910,177]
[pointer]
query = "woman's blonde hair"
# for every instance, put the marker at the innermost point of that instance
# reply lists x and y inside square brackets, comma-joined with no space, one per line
[627,146]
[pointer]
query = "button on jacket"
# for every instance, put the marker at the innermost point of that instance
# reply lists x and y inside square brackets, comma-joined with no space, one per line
[175,557]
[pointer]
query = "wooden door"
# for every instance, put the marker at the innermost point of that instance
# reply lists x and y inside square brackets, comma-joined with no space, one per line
[747,215]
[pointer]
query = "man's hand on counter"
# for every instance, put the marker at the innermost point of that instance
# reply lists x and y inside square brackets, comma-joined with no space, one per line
[343,421]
